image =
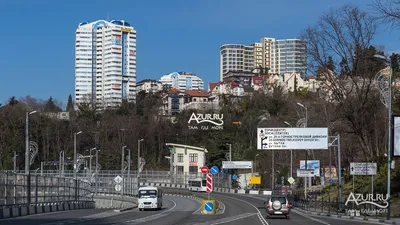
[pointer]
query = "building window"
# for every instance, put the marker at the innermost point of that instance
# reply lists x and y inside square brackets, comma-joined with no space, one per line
[180,157]
[179,169]
[193,169]
[192,157]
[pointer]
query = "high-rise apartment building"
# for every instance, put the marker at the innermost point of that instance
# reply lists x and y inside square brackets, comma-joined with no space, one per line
[105,63]
[182,81]
[280,56]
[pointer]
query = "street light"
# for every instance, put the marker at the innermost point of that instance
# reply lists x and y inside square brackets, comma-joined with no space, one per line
[27,144]
[122,168]
[138,165]
[305,125]
[389,105]
[75,166]
[230,151]
[291,155]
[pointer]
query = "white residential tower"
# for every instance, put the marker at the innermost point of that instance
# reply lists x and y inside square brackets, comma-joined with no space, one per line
[105,63]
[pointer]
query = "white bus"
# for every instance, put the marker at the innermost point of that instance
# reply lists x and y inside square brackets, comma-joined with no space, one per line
[197,184]
[149,198]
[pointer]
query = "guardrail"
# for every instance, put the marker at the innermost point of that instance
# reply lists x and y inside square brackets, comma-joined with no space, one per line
[20,189]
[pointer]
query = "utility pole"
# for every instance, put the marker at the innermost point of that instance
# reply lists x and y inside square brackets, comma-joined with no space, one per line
[122,168]
[138,166]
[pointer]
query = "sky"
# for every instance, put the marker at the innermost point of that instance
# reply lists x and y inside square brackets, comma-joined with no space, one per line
[37,53]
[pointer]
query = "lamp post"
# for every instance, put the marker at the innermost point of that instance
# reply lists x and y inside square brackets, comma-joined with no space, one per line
[305,166]
[75,166]
[122,168]
[291,156]
[230,159]
[27,145]
[138,165]
[389,106]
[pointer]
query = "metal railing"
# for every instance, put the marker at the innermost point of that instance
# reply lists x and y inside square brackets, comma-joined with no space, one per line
[21,189]
[316,202]
[104,182]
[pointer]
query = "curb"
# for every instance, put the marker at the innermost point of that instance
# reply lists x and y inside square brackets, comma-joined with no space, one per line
[346,217]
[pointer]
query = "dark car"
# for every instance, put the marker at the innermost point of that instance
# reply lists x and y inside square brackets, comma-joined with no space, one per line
[278,205]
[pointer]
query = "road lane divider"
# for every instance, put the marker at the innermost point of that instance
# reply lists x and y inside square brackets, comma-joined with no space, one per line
[259,214]
[227,219]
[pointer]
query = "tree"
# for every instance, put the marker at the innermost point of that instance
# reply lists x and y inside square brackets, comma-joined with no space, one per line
[388,11]
[51,106]
[12,101]
[70,104]
[344,35]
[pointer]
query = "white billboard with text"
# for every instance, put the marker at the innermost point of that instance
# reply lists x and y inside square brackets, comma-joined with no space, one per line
[237,164]
[292,138]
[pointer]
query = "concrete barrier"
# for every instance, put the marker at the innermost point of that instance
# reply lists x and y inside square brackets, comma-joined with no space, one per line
[17,211]
[115,202]
[23,211]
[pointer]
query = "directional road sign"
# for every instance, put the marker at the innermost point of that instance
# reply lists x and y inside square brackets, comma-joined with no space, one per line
[118,187]
[204,169]
[363,168]
[331,181]
[291,180]
[209,207]
[234,177]
[305,173]
[209,184]
[214,170]
[118,179]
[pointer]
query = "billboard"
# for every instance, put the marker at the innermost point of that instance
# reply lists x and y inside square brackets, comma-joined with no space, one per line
[237,164]
[396,136]
[311,164]
[292,138]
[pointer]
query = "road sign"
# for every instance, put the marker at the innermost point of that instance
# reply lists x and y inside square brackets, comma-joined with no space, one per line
[214,170]
[234,177]
[204,169]
[118,187]
[237,164]
[209,207]
[363,168]
[292,138]
[255,180]
[290,180]
[118,179]
[305,173]
[331,181]
[209,184]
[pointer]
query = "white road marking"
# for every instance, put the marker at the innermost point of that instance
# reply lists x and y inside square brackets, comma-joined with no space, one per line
[263,221]
[311,218]
[227,219]
[152,217]
[223,210]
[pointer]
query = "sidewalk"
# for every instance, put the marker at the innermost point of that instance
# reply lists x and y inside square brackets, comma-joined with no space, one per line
[324,210]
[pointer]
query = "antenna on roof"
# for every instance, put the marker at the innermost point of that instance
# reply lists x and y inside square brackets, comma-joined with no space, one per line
[108,16]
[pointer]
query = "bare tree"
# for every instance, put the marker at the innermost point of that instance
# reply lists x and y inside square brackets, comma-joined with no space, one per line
[340,53]
[388,11]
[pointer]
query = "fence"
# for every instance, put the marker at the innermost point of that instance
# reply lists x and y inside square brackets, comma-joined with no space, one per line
[21,189]
[317,202]
[104,182]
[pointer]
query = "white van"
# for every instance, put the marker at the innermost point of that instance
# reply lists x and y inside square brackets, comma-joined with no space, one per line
[149,198]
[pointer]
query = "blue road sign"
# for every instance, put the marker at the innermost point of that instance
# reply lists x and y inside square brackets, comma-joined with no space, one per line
[224,170]
[331,181]
[214,170]
[234,177]
[209,207]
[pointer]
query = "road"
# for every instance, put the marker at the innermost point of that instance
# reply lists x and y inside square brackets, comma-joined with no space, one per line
[237,210]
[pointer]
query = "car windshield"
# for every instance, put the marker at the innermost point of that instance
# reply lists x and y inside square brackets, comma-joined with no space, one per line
[147,194]
[282,200]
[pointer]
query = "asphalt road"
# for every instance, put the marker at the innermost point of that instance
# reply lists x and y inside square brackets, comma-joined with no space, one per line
[296,217]
[237,210]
